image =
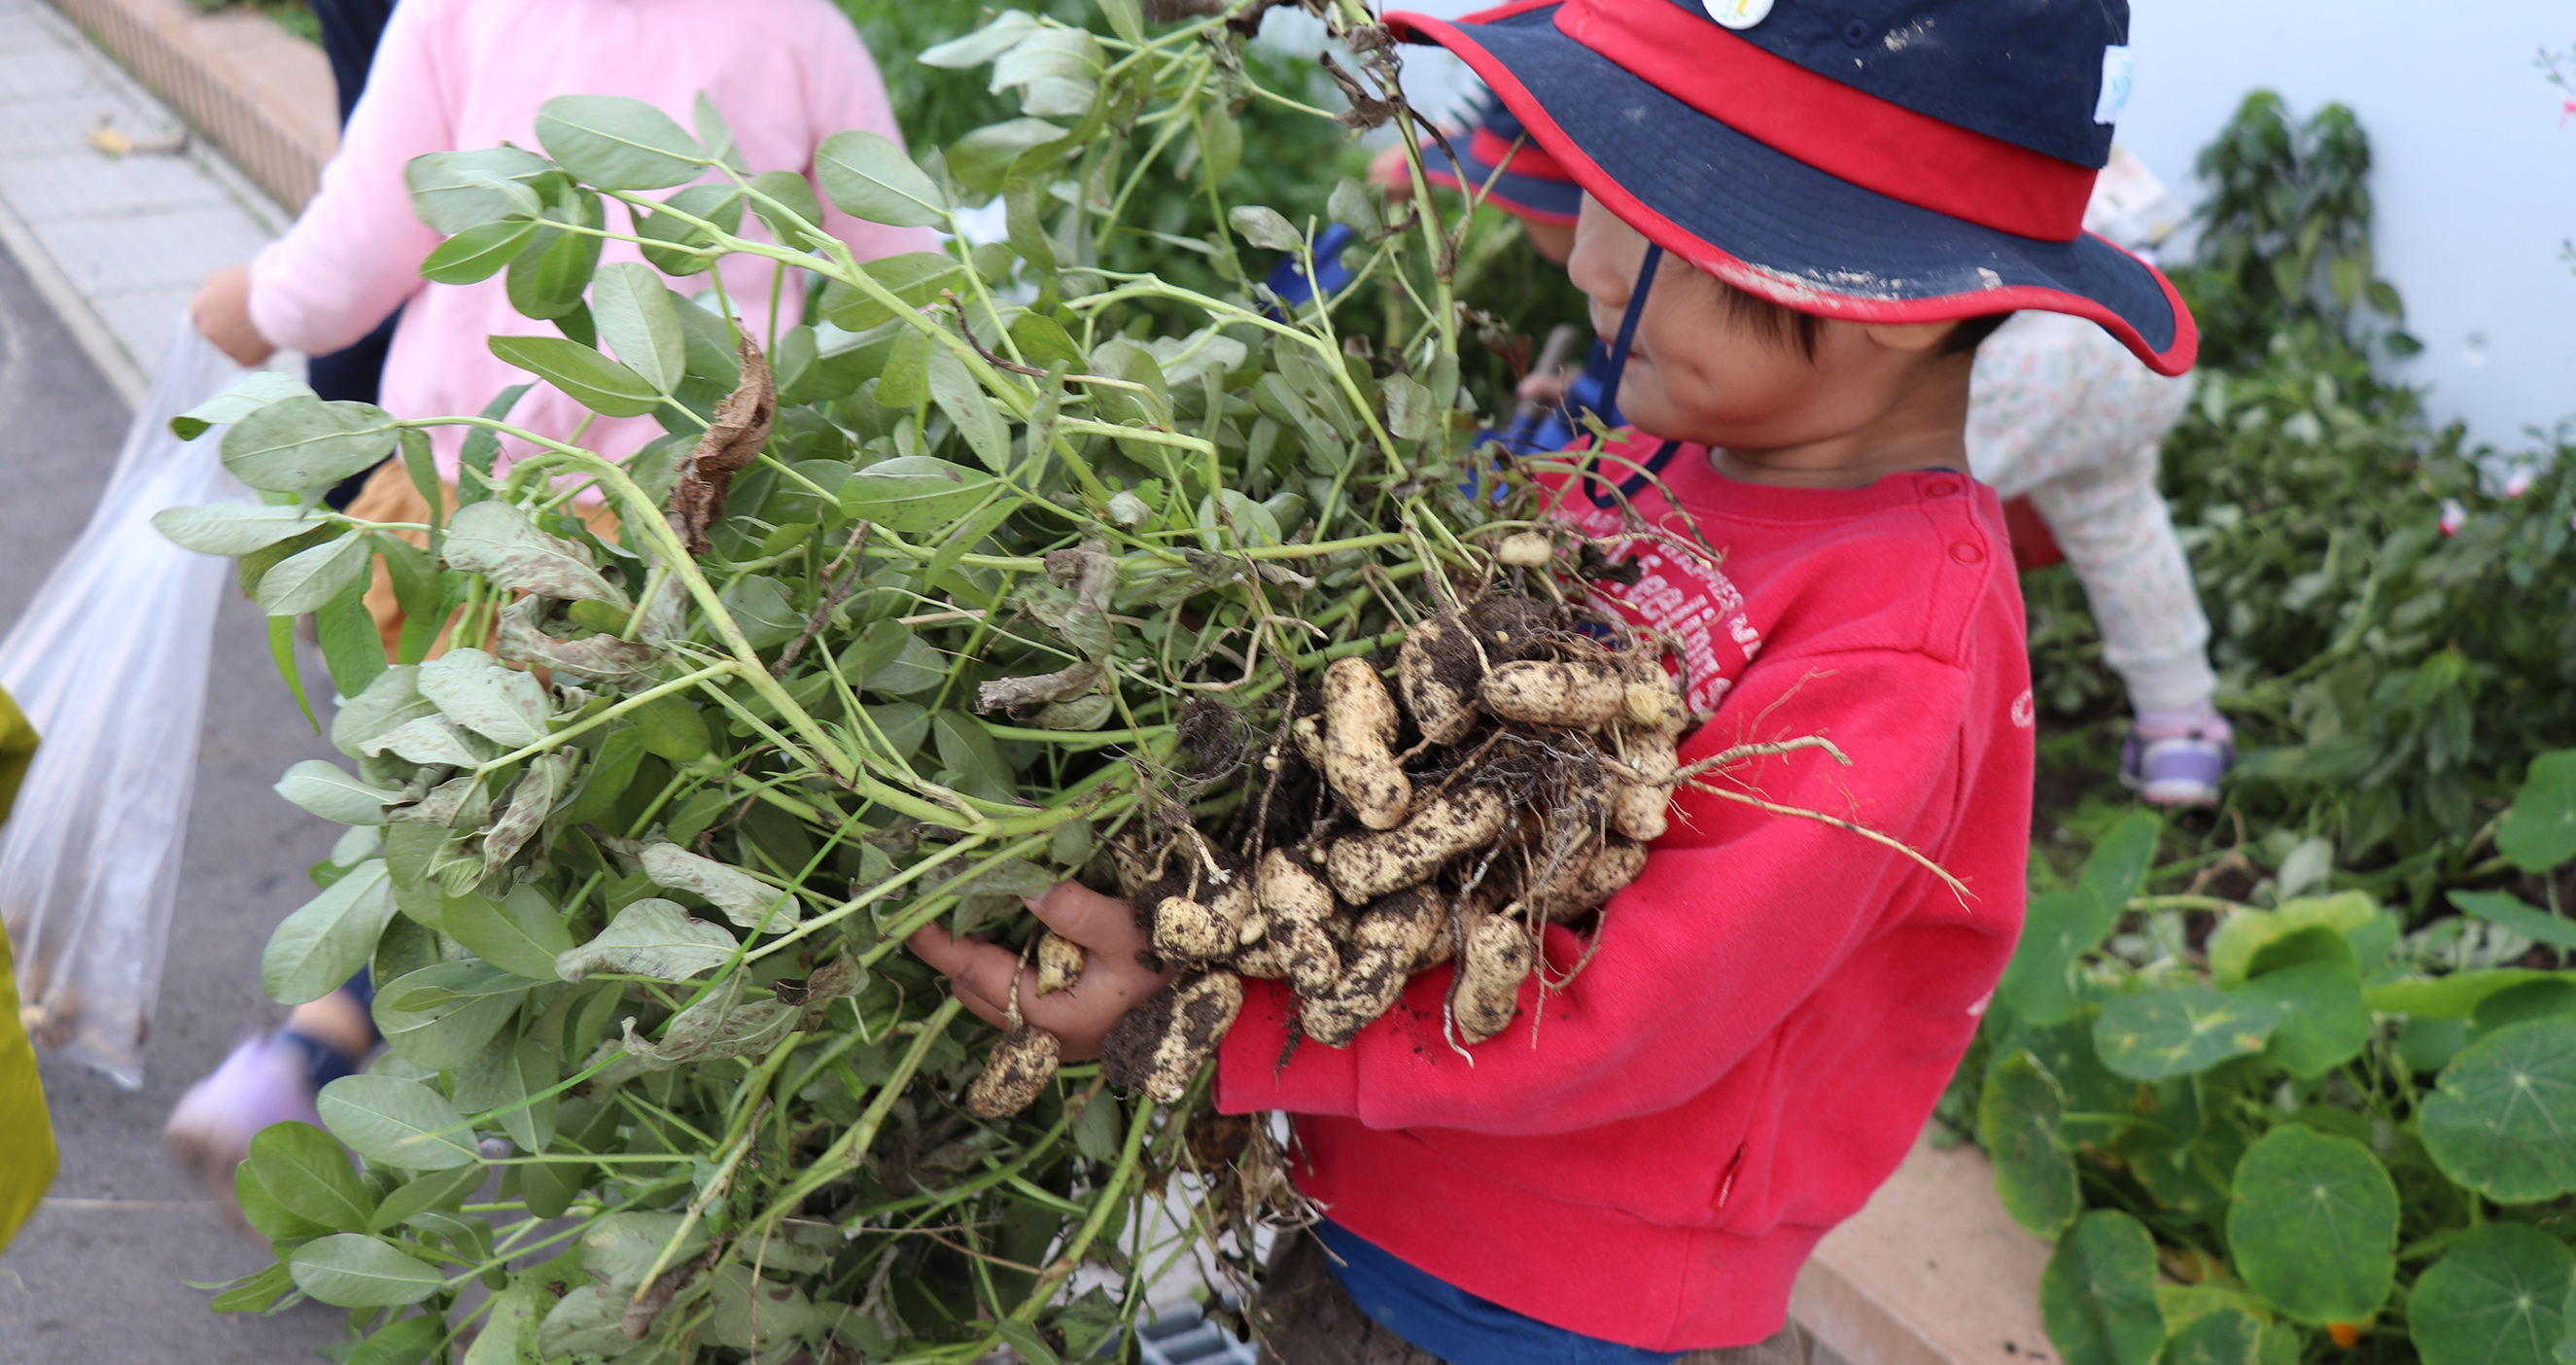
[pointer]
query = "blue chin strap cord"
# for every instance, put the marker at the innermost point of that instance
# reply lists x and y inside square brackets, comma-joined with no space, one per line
[1631,486]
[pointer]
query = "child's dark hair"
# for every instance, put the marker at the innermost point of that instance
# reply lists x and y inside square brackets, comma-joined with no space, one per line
[1787,327]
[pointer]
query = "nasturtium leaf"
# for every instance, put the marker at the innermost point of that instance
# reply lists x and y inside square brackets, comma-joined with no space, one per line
[521,933]
[354,1270]
[2499,1298]
[456,191]
[329,937]
[2228,1335]
[1266,228]
[982,45]
[2522,917]
[2313,1225]
[2244,933]
[2017,1123]
[2323,1020]
[650,937]
[232,528]
[2539,829]
[583,374]
[744,899]
[914,493]
[977,417]
[479,252]
[328,790]
[2058,928]
[497,540]
[309,579]
[2161,1031]
[303,1169]
[399,1123]
[2500,1118]
[241,398]
[472,689]
[2518,1004]
[2455,996]
[2098,1294]
[617,143]
[632,309]
[298,443]
[867,176]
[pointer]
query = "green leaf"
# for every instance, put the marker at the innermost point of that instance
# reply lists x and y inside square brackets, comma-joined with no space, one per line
[328,790]
[456,191]
[502,1083]
[986,157]
[1266,228]
[353,648]
[621,1247]
[241,398]
[268,1217]
[2017,1123]
[974,763]
[612,142]
[1044,341]
[867,176]
[299,444]
[795,194]
[2518,1004]
[254,1293]
[399,1123]
[914,493]
[304,1170]
[2500,1118]
[482,447]
[587,377]
[1353,206]
[915,277]
[509,1335]
[353,1270]
[522,933]
[404,1341]
[2511,911]
[2098,1294]
[2058,928]
[2244,933]
[442,1016]
[2539,831]
[744,899]
[2165,1031]
[716,135]
[675,246]
[497,540]
[329,937]
[978,417]
[309,579]
[1099,1129]
[281,648]
[2499,1298]
[982,45]
[547,279]
[437,1190]
[233,528]
[2455,996]
[2323,1020]
[633,310]
[650,937]
[472,689]
[2313,1225]
[1021,1337]
[479,252]
[2229,1335]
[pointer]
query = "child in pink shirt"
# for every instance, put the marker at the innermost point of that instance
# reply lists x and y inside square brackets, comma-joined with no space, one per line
[459,75]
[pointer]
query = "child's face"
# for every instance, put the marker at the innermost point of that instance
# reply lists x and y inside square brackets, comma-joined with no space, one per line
[1699,371]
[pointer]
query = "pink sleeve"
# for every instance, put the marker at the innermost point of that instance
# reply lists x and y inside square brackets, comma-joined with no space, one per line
[1737,920]
[354,254]
[848,93]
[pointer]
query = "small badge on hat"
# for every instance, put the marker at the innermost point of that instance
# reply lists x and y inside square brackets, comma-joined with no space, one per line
[1738,13]
[2118,72]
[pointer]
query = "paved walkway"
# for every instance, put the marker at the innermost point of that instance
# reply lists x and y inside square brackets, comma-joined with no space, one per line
[97,261]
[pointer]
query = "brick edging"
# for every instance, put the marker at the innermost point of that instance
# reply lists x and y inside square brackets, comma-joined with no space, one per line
[236,100]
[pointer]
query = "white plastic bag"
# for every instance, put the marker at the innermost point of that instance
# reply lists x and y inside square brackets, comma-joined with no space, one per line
[109,661]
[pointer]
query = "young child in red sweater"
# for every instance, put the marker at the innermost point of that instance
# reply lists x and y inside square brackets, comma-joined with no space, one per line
[1798,225]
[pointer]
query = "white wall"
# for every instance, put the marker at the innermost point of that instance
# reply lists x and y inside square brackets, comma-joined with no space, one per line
[2474,179]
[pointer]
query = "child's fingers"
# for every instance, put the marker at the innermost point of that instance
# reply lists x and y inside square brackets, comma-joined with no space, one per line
[984,970]
[1103,924]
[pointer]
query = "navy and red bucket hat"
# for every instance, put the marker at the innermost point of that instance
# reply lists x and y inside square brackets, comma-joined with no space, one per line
[1530,184]
[1876,160]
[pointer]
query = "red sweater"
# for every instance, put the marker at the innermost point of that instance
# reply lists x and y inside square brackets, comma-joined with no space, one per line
[1776,1003]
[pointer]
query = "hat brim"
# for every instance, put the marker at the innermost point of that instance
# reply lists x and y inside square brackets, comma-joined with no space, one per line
[1774,226]
[1523,196]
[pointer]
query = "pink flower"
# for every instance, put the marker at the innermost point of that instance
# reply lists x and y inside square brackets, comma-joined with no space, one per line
[2454,516]
[2517,483]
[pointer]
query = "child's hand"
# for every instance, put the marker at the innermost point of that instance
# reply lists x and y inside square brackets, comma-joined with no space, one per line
[1114,979]
[222,312]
